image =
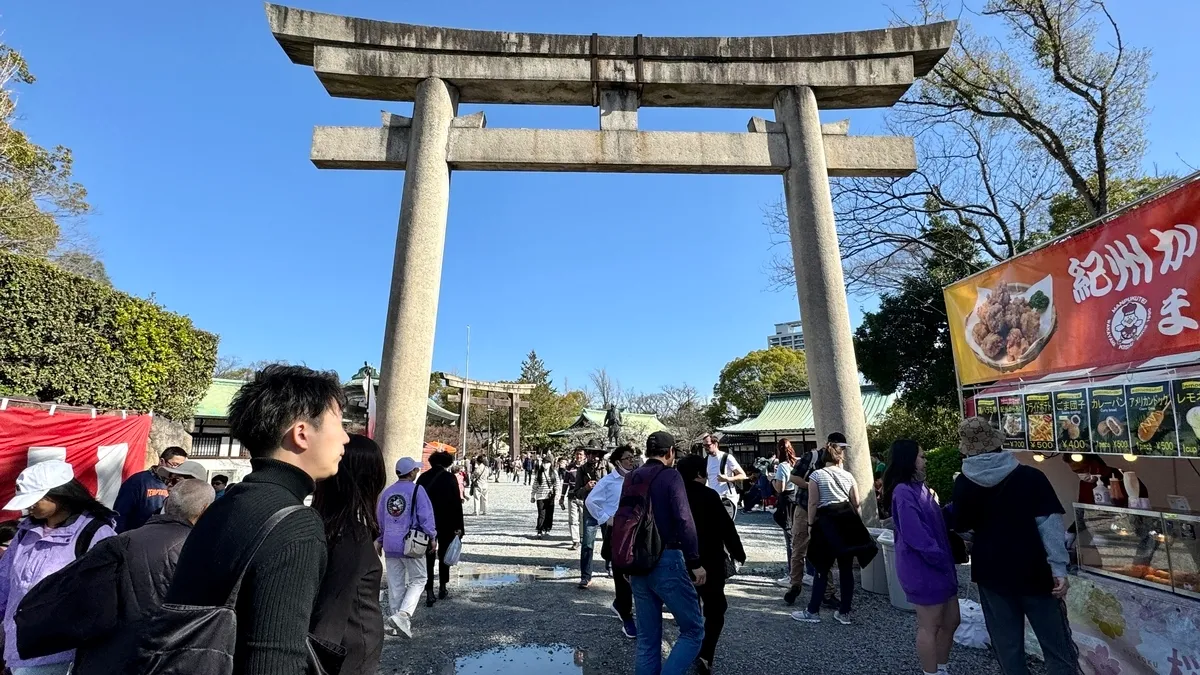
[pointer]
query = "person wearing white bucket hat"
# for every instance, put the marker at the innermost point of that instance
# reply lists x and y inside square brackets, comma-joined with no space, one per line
[64,520]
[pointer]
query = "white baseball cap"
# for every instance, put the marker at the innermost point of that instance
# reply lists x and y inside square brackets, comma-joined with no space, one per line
[406,465]
[35,481]
[190,468]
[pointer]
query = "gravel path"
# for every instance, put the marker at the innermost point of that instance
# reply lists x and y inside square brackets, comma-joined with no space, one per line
[514,608]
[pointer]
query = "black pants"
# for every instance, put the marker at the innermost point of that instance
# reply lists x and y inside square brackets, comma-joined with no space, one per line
[443,568]
[713,604]
[545,521]
[528,474]
[821,580]
[624,602]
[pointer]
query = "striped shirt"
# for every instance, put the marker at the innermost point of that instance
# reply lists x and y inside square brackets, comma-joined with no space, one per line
[833,484]
[547,487]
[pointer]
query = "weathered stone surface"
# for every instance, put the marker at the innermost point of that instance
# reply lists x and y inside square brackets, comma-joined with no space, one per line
[612,151]
[473,121]
[394,120]
[829,348]
[618,110]
[378,74]
[299,31]
[416,276]
[840,127]
[165,433]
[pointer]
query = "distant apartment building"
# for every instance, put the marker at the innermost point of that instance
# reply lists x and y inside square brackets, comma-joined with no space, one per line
[789,335]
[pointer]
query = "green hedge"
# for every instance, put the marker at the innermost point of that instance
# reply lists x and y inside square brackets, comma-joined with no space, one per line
[68,339]
[940,466]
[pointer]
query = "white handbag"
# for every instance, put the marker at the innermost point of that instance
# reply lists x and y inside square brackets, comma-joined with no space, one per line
[416,542]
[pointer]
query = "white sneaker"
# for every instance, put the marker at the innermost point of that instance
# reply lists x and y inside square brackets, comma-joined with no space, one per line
[402,623]
[784,582]
[843,619]
[804,616]
[808,579]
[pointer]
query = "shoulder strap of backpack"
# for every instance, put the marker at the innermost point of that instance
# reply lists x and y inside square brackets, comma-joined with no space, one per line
[724,461]
[259,538]
[84,541]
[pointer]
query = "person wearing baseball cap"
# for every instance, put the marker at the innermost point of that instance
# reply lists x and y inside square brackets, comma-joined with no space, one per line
[679,570]
[402,507]
[1019,556]
[190,469]
[63,520]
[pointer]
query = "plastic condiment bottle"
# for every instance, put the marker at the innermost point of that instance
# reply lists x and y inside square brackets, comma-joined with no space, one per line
[1117,492]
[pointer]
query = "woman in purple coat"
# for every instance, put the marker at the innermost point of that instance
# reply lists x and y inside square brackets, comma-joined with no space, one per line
[924,561]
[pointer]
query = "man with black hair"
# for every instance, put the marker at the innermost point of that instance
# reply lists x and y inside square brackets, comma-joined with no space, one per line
[142,494]
[290,420]
[219,483]
[674,579]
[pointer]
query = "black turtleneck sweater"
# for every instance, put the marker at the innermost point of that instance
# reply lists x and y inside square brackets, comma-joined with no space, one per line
[276,600]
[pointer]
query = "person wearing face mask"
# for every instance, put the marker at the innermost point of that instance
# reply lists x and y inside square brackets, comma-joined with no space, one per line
[924,560]
[602,503]
[545,487]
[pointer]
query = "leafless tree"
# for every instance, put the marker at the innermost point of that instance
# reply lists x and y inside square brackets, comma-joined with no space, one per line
[605,389]
[1001,124]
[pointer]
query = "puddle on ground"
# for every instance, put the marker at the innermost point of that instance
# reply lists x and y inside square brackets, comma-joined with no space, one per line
[490,579]
[523,660]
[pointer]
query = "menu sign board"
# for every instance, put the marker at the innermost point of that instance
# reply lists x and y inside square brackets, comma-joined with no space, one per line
[1125,291]
[988,410]
[1151,419]
[1109,420]
[1012,422]
[1187,414]
[1071,420]
[1039,418]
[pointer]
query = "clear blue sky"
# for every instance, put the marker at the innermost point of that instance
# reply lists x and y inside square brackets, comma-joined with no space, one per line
[191,131]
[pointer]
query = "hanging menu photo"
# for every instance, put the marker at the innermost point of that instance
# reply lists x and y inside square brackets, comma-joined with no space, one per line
[1108,419]
[1152,419]
[1071,421]
[1039,418]
[1012,421]
[988,410]
[1187,412]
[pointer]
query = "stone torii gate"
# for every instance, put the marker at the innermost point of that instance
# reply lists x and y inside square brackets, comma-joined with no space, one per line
[438,68]
[513,390]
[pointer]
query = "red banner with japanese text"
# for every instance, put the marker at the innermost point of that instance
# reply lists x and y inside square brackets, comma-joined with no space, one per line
[1117,293]
[104,450]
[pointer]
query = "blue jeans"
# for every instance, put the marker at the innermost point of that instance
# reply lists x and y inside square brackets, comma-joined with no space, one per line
[671,585]
[587,545]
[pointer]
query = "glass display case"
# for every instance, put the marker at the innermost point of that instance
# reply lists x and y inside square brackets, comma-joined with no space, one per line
[1127,544]
[1184,551]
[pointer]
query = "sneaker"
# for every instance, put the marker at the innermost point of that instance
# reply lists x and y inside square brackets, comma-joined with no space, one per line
[613,606]
[784,582]
[583,585]
[843,619]
[429,600]
[574,547]
[804,616]
[402,623]
[791,595]
[442,593]
[629,628]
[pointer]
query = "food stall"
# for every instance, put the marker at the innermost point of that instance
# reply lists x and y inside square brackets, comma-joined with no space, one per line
[1085,354]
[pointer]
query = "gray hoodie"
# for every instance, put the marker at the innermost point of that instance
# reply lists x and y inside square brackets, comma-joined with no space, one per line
[988,470]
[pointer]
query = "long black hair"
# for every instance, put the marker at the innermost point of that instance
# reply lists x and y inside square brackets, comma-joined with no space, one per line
[902,465]
[347,499]
[76,499]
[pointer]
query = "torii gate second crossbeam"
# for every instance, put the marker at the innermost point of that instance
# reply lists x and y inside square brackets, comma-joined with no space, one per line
[514,391]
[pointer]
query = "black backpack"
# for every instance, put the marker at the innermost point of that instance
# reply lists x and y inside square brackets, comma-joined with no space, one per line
[192,639]
[636,543]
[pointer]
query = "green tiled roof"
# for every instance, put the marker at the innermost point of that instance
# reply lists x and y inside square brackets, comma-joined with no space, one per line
[592,418]
[216,400]
[792,411]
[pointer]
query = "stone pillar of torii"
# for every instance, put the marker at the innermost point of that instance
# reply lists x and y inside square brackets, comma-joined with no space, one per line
[438,68]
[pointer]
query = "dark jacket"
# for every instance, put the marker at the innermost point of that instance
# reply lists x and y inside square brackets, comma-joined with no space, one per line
[108,593]
[672,515]
[442,489]
[839,531]
[275,604]
[588,471]
[146,558]
[347,611]
[140,497]
[715,531]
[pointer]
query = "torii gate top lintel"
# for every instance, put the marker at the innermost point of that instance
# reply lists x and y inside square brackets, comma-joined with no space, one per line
[479,385]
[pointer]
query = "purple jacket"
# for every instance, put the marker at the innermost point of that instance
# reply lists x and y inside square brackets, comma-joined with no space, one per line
[36,553]
[924,562]
[395,513]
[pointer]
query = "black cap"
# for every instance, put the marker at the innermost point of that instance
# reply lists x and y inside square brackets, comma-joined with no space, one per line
[836,437]
[659,441]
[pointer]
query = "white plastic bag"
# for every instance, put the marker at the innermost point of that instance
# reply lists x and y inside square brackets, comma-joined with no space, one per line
[972,632]
[453,552]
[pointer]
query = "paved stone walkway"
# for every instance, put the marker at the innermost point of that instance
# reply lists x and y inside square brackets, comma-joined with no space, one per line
[514,608]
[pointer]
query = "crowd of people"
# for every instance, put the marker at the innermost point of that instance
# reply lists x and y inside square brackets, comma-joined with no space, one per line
[184,575]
